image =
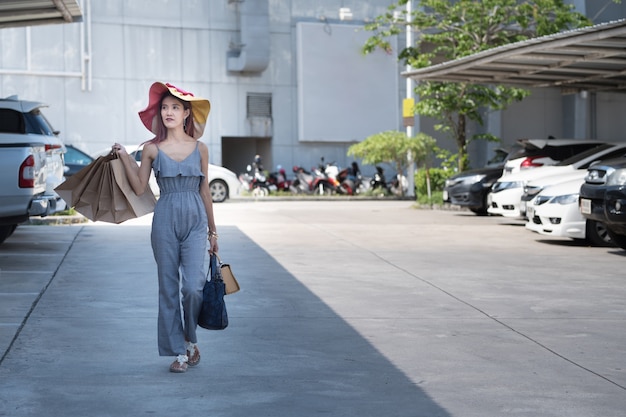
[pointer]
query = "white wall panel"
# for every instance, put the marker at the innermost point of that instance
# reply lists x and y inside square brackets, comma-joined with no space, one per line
[197,65]
[109,48]
[12,48]
[152,53]
[342,94]
[47,47]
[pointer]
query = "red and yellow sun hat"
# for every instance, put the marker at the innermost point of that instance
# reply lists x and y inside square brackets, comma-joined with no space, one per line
[200,107]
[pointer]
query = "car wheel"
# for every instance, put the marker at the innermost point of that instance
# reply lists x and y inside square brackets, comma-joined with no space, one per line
[6,230]
[619,240]
[219,191]
[597,234]
[481,210]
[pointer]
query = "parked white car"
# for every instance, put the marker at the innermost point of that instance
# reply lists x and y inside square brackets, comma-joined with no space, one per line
[224,183]
[506,193]
[554,212]
[534,187]
[534,153]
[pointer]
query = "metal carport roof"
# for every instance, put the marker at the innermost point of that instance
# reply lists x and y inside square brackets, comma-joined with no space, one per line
[591,59]
[38,12]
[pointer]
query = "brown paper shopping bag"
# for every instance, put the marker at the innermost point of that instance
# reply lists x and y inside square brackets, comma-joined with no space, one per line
[102,192]
[88,191]
[129,205]
[105,212]
[73,187]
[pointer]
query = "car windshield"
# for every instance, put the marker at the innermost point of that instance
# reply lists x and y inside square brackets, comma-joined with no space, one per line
[579,157]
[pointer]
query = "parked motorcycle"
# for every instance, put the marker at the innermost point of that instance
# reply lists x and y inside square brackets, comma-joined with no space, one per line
[278,181]
[330,171]
[398,186]
[306,182]
[351,181]
[255,181]
[378,181]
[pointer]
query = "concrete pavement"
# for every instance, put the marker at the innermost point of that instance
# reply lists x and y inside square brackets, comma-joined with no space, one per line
[347,308]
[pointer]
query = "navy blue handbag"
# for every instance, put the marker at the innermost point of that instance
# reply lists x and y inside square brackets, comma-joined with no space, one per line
[213,315]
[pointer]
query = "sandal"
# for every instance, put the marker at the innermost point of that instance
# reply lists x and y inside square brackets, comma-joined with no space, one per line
[193,354]
[179,366]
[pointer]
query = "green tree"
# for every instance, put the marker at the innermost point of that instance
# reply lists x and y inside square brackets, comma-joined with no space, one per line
[394,147]
[453,29]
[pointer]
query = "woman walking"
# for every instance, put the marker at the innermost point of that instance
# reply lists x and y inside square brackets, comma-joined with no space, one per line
[183,217]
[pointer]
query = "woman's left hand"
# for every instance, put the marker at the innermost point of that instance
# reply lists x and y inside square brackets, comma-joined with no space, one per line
[214,246]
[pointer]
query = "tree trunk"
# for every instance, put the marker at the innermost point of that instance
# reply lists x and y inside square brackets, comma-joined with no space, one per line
[461,142]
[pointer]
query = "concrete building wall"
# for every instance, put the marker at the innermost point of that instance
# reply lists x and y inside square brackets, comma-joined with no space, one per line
[95,77]
[193,44]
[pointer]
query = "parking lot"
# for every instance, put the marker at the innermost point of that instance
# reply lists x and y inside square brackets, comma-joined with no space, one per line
[347,308]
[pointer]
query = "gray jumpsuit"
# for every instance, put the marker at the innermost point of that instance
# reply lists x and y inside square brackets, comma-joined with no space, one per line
[179,244]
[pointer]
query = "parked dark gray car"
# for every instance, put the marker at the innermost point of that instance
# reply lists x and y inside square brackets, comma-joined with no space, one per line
[471,188]
[603,197]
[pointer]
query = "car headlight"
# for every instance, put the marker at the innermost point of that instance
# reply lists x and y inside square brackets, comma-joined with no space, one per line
[506,185]
[565,199]
[450,182]
[532,191]
[473,179]
[470,179]
[617,177]
[489,183]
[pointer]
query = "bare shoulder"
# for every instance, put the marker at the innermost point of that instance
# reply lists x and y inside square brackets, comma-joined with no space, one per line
[150,150]
[202,146]
[204,150]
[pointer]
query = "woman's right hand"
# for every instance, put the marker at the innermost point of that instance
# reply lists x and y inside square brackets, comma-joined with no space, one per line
[118,148]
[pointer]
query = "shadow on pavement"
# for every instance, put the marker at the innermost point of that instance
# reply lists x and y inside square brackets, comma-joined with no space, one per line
[89,346]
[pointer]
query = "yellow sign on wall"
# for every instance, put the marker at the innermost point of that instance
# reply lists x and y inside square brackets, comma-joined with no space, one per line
[407,107]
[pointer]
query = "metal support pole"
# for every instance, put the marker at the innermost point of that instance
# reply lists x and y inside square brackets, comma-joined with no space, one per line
[409,96]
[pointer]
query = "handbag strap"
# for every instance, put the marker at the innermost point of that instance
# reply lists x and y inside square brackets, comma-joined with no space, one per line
[214,267]
[219,260]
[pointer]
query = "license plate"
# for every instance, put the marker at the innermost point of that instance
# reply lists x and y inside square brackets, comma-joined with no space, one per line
[530,212]
[585,206]
[445,195]
[522,207]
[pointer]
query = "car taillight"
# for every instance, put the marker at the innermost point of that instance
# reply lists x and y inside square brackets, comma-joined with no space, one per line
[27,173]
[530,162]
[51,147]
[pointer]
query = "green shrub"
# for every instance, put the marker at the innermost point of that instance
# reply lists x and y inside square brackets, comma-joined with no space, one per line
[435,198]
[66,212]
[438,178]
